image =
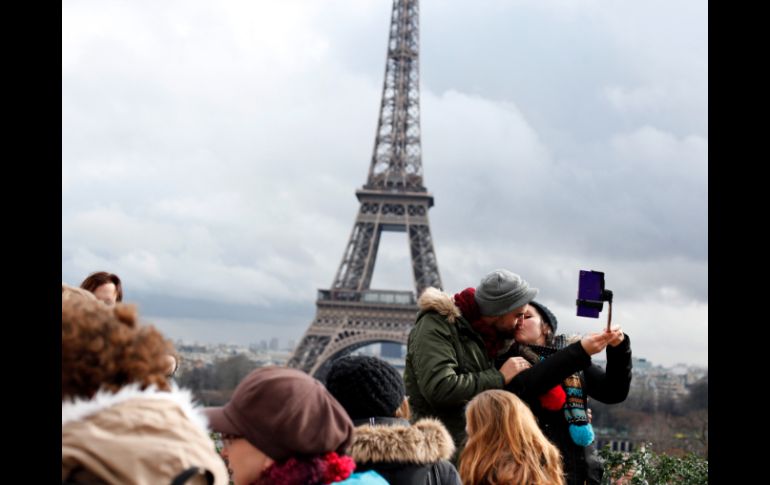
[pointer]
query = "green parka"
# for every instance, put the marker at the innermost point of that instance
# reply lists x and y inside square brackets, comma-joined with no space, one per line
[446,364]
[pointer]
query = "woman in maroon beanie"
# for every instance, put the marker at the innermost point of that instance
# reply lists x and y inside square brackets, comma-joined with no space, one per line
[283,426]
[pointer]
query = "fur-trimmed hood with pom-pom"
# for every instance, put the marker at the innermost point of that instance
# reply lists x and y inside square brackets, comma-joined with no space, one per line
[136,436]
[426,441]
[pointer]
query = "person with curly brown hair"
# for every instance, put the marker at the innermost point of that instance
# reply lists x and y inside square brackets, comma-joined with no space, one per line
[122,421]
[108,288]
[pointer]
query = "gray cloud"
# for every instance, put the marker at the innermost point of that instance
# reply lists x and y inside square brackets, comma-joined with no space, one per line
[210,153]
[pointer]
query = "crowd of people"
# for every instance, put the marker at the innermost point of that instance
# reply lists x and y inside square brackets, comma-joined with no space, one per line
[490,394]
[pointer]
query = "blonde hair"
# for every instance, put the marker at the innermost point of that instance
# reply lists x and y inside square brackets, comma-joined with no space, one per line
[505,444]
[403,410]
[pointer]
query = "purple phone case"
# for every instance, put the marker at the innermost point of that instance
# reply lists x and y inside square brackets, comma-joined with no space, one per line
[590,286]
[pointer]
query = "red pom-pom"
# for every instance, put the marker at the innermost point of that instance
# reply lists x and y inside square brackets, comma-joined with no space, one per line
[554,399]
[338,468]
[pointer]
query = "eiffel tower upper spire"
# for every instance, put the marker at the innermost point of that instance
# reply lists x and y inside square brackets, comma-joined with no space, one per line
[394,197]
[396,161]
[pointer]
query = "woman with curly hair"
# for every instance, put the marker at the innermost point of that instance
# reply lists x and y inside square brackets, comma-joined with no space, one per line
[122,421]
[505,444]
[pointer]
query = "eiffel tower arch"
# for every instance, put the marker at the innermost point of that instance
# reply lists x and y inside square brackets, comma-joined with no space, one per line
[350,314]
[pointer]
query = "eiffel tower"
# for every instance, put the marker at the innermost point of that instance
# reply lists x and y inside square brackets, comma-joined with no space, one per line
[350,315]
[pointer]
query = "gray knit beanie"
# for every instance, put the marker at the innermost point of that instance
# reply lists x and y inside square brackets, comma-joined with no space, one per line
[502,291]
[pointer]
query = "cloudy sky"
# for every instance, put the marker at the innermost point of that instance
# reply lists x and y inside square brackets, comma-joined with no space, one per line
[211,150]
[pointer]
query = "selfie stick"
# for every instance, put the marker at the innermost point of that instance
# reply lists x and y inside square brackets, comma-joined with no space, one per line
[606,295]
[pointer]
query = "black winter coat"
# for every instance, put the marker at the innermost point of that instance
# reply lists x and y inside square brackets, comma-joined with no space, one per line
[403,453]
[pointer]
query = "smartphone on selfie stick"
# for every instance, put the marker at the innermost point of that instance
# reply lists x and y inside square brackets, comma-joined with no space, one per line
[592,295]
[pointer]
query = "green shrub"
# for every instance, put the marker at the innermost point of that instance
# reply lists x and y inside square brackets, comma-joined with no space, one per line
[645,467]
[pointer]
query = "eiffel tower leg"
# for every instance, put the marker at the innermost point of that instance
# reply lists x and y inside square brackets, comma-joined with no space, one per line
[307,352]
[357,266]
[424,265]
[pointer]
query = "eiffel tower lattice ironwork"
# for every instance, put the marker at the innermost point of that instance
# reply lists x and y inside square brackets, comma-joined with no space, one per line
[350,315]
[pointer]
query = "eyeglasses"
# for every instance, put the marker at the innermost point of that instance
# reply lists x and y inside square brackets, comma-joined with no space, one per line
[227,439]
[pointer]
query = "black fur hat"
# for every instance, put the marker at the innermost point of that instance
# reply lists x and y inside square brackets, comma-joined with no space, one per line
[367,387]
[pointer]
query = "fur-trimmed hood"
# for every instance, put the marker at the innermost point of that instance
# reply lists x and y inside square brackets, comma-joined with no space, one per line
[427,441]
[433,299]
[78,409]
[136,436]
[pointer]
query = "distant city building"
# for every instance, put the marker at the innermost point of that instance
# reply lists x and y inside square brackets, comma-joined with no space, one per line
[641,364]
[391,350]
[615,440]
[198,355]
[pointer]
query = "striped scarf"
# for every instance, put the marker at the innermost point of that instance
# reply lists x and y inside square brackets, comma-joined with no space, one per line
[574,407]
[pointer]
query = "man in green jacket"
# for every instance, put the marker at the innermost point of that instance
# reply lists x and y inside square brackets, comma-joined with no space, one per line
[450,355]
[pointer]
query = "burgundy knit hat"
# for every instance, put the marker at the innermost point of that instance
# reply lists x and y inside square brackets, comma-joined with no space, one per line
[283,413]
